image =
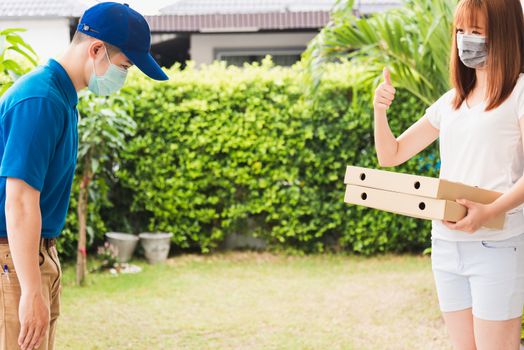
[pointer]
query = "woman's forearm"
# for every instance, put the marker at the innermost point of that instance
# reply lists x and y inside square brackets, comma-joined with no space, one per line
[386,143]
[509,200]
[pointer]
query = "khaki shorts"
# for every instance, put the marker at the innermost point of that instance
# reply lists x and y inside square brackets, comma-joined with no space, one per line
[51,273]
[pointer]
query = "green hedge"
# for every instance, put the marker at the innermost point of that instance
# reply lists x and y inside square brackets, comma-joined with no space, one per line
[225,149]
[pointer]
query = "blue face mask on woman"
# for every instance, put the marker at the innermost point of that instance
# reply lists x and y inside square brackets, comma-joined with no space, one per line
[112,81]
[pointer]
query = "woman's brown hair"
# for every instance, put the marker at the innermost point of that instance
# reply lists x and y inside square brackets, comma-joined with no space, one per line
[505,42]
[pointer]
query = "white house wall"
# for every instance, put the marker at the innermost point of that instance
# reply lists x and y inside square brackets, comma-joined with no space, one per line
[203,46]
[48,37]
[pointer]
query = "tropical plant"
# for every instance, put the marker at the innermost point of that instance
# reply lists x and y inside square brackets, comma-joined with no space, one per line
[16,57]
[103,128]
[412,41]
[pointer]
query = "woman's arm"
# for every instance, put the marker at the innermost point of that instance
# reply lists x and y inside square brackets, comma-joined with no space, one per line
[390,150]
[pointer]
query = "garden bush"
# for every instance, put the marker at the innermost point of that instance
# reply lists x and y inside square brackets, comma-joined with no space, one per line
[221,150]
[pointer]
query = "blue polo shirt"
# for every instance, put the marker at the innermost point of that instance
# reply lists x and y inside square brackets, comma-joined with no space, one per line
[39,141]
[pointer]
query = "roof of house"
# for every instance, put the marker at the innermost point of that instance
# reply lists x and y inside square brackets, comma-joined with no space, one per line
[253,15]
[209,15]
[44,8]
[249,22]
[207,7]
[365,7]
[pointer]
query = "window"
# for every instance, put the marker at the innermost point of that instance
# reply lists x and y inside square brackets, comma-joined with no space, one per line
[281,56]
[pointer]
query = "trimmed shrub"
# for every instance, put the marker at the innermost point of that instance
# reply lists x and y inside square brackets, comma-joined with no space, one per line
[223,150]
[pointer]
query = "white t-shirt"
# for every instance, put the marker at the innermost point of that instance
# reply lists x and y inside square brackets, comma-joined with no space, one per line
[483,149]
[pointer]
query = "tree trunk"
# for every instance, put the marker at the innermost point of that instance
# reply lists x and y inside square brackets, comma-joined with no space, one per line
[81,260]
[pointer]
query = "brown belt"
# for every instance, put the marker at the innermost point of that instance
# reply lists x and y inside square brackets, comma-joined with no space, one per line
[49,242]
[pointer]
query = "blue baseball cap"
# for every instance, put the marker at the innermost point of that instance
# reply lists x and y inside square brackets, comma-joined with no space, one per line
[121,26]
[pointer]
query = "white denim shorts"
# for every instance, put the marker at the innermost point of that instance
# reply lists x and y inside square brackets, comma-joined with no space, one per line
[487,276]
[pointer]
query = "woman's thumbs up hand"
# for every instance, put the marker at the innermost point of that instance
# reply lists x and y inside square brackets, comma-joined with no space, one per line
[385,93]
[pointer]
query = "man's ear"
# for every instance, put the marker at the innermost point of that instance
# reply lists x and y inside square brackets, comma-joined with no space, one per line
[95,48]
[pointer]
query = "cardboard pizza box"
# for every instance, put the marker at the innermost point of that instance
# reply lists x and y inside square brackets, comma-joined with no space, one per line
[418,185]
[411,205]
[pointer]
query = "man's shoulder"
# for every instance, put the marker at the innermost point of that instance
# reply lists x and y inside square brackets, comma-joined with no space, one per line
[35,85]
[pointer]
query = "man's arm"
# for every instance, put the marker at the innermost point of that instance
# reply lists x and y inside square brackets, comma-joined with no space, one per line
[24,226]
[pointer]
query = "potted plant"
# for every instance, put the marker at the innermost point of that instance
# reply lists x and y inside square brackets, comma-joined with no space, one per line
[156,246]
[124,243]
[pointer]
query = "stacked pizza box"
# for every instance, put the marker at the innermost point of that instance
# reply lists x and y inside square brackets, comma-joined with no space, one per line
[416,196]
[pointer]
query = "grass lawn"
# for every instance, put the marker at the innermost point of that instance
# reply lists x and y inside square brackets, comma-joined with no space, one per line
[256,301]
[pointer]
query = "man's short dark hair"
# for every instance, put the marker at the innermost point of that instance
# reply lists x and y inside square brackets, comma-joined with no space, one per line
[80,37]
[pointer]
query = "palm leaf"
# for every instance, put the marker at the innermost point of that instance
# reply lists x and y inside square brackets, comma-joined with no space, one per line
[413,42]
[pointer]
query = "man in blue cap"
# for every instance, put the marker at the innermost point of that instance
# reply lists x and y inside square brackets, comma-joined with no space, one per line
[38,150]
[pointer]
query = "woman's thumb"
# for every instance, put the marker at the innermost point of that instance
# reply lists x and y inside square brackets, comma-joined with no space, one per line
[387,76]
[463,201]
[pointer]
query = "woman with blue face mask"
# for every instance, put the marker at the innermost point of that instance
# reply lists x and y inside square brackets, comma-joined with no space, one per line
[479,273]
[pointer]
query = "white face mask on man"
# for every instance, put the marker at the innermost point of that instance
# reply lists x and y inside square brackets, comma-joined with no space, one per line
[109,83]
[472,50]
